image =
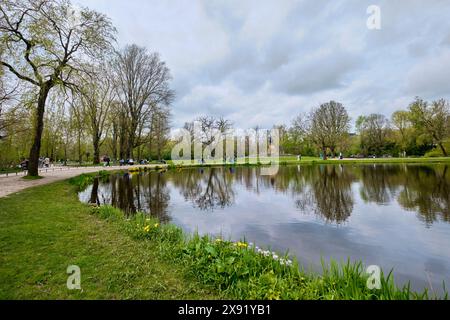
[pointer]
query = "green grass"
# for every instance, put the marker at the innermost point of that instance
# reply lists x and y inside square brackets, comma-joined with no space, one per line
[43,230]
[240,271]
[286,160]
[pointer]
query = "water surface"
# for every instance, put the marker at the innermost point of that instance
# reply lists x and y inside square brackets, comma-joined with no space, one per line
[394,216]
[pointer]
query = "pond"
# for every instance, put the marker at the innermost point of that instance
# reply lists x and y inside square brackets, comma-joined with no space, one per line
[394,216]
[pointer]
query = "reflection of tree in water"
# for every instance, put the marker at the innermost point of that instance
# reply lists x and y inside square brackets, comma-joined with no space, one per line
[329,194]
[323,190]
[147,193]
[207,189]
[122,193]
[427,191]
[94,199]
[424,189]
[379,182]
[153,195]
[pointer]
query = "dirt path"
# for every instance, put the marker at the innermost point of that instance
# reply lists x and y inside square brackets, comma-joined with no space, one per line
[13,183]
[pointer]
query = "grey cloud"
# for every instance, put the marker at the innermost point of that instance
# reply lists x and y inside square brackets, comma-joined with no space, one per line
[261,62]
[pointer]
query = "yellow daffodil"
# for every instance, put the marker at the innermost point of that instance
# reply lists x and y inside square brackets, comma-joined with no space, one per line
[241,244]
[156,225]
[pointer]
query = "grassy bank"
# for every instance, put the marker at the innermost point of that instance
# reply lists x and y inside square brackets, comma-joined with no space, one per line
[288,160]
[242,271]
[43,230]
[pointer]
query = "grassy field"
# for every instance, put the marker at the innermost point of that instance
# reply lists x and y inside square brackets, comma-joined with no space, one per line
[44,230]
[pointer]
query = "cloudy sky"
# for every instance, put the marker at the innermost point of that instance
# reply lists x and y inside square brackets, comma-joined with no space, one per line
[263,62]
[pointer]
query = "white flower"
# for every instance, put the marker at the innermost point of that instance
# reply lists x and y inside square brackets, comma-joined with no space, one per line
[275,257]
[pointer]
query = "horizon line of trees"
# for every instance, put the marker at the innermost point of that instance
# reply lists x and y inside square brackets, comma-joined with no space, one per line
[422,129]
[67,92]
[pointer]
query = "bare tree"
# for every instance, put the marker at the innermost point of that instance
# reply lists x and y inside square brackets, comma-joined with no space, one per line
[142,84]
[329,125]
[98,95]
[45,42]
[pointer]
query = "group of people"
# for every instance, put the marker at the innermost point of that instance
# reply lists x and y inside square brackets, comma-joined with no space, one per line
[43,162]
[123,162]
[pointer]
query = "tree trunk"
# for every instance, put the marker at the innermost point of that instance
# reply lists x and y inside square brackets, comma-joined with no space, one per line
[33,164]
[444,152]
[159,151]
[96,144]
[130,146]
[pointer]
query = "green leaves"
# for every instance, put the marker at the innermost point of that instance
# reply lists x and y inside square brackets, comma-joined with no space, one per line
[210,249]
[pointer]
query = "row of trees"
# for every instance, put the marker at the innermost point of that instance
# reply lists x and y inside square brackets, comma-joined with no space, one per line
[422,127]
[326,130]
[63,83]
[67,92]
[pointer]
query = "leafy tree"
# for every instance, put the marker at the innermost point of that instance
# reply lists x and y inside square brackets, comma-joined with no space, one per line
[374,132]
[432,119]
[46,43]
[329,126]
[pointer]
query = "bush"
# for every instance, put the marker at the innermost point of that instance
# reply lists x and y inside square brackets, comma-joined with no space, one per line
[435,153]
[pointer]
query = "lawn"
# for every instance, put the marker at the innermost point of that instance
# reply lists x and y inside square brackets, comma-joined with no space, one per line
[44,230]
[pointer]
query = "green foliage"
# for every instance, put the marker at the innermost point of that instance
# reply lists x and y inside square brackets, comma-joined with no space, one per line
[85,179]
[107,212]
[437,152]
[82,181]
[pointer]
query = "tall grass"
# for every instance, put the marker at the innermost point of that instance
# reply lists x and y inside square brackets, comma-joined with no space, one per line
[85,179]
[238,270]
